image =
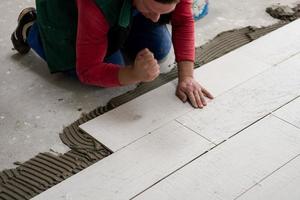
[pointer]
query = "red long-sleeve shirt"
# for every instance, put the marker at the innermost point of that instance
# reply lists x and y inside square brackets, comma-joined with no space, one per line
[92,42]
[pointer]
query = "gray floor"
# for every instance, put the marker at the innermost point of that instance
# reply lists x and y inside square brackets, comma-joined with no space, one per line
[34,105]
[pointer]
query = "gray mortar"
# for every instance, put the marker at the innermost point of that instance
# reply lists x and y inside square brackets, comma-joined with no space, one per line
[46,170]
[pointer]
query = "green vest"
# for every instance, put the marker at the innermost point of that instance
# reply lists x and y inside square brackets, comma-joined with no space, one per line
[57,22]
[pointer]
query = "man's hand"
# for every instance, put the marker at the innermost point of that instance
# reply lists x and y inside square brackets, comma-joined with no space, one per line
[145,66]
[144,69]
[189,89]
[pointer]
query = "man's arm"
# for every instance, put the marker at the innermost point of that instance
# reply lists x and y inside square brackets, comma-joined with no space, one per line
[91,47]
[185,69]
[91,50]
[184,45]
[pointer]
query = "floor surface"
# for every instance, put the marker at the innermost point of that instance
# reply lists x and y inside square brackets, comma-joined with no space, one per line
[244,145]
[34,105]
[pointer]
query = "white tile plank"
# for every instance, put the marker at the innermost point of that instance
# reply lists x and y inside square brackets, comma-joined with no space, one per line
[134,168]
[283,184]
[243,105]
[228,71]
[276,46]
[136,118]
[228,170]
[290,112]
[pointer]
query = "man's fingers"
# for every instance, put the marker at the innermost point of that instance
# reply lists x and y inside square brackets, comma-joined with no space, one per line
[202,98]
[154,71]
[198,99]
[181,95]
[146,53]
[192,99]
[148,56]
[207,93]
[151,61]
[142,52]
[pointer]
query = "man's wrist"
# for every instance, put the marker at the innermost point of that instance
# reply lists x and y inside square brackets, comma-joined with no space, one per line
[185,70]
[127,76]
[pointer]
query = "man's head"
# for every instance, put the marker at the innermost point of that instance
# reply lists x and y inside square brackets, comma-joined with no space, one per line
[152,9]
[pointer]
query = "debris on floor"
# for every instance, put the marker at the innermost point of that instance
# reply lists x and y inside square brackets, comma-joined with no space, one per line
[284,12]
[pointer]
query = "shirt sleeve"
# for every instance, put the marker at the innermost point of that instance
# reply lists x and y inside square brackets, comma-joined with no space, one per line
[183,31]
[91,47]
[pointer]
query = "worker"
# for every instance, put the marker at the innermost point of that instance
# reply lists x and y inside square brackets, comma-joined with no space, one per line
[110,43]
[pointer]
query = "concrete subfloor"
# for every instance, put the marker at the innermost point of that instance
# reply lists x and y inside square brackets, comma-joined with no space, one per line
[35,105]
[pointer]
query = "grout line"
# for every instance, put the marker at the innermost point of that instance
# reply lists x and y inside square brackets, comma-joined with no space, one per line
[165,177]
[267,176]
[286,103]
[269,114]
[194,132]
[248,126]
[132,142]
[286,59]
[285,121]
[149,133]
